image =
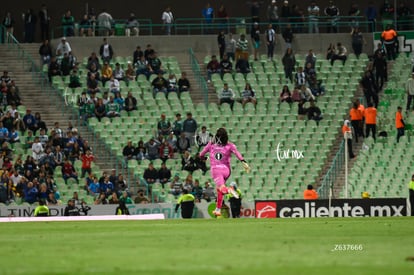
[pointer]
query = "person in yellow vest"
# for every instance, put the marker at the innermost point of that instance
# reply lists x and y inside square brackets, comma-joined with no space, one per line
[122,209]
[41,210]
[310,193]
[235,203]
[186,201]
[411,193]
[389,38]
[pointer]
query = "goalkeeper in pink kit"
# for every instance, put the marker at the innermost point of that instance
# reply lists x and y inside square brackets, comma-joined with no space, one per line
[220,150]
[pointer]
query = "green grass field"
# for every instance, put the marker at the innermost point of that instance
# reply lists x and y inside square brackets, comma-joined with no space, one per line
[243,246]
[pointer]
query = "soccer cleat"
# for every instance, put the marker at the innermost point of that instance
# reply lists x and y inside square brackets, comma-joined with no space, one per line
[233,192]
[217,213]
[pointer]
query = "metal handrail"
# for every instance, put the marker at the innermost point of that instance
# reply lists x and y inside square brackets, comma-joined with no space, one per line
[198,75]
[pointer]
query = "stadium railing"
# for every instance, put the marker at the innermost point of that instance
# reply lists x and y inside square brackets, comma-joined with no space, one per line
[198,75]
[330,177]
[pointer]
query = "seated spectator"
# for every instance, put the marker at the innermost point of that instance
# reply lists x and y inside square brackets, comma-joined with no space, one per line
[93,187]
[43,138]
[130,103]
[94,64]
[126,198]
[107,186]
[37,149]
[183,143]
[132,26]
[129,151]
[212,67]
[300,77]
[314,113]
[141,198]
[188,183]
[141,151]
[208,192]
[153,148]
[310,58]
[141,67]
[112,108]
[85,26]
[164,126]
[248,95]
[92,84]
[118,73]
[101,199]
[54,69]
[330,52]
[166,151]
[30,193]
[106,73]
[150,174]
[68,24]
[159,84]
[285,95]
[45,52]
[302,111]
[100,110]
[197,190]
[40,124]
[203,137]
[68,171]
[341,54]
[66,65]
[137,54]
[227,96]
[225,65]
[74,80]
[130,73]
[188,162]
[14,136]
[306,94]
[176,186]
[183,83]
[310,72]
[242,66]
[172,83]
[154,64]
[113,199]
[118,99]
[310,193]
[13,96]
[172,140]
[51,199]
[164,175]
[316,87]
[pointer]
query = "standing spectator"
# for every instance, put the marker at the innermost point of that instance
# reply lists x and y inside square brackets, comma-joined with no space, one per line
[186,201]
[132,25]
[63,47]
[399,123]
[167,20]
[208,14]
[285,12]
[242,48]
[332,12]
[105,23]
[44,22]
[106,52]
[183,83]
[212,67]
[289,62]
[68,24]
[370,115]
[221,42]
[8,23]
[381,70]
[255,36]
[357,41]
[227,96]
[85,26]
[248,95]
[313,13]
[288,36]
[177,125]
[190,127]
[30,20]
[183,143]
[347,133]
[389,38]
[270,41]
[45,52]
[164,126]
[310,58]
[87,160]
[409,86]
[272,14]
[354,12]
[255,10]
[223,18]
[230,47]
[356,120]
[411,194]
[404,14]
[371,15]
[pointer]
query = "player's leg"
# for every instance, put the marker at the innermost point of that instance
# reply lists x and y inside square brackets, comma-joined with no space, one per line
[219,176]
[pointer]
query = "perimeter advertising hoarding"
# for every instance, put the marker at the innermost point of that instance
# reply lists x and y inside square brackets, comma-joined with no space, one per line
[392,207]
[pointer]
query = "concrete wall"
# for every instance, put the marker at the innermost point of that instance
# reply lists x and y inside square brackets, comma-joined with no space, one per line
[153,9]
[205,44]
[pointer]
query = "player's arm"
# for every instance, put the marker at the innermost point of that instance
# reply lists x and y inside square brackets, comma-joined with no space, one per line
[205,150]
[240,157]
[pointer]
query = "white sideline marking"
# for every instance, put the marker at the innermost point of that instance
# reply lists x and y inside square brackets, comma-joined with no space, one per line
[85,218]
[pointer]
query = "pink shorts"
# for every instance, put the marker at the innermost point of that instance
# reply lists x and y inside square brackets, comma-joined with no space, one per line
[220,175]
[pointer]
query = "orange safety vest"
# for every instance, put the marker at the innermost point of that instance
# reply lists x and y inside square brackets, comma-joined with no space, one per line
[310,195]
[355,114]
[370,115]
[345,129]
[398,122]
[389,35]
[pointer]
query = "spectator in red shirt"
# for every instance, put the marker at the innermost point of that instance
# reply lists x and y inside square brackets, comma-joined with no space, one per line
[68,171]
[86,162]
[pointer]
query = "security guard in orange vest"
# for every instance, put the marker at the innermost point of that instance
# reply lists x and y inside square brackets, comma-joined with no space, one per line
[389,38]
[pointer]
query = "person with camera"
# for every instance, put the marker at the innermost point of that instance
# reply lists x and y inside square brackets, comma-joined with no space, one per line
[71,209]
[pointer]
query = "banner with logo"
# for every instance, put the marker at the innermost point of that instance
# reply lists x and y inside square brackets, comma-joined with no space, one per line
[405,41]
[392,207]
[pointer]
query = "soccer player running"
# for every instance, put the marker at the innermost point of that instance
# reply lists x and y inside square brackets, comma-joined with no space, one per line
[220,150]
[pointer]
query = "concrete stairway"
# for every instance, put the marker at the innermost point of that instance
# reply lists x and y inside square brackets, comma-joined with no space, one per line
[38,96]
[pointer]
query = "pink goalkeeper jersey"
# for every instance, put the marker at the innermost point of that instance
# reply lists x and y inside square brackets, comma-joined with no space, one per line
[220,155]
